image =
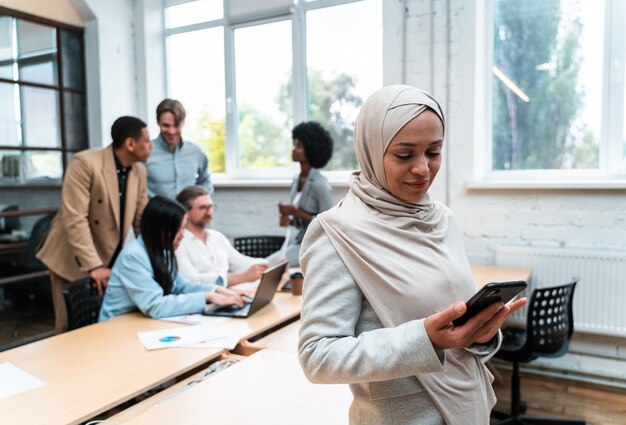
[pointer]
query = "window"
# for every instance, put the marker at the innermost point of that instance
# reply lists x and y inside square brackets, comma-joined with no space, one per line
[557,89]
[197,80]
[42,97]
[343,66]
[249,72]
[262,66]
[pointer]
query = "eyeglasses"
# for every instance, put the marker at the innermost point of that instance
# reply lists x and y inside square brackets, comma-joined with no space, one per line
[207,207]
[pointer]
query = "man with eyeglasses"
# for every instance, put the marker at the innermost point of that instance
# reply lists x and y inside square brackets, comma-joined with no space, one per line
[206,255]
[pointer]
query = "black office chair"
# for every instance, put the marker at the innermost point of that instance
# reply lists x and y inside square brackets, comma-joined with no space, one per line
[82,302]
[258,246]
[549,326]
[28,284]
[37,234]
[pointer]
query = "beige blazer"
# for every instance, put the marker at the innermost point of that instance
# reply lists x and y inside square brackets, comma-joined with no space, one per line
[86,230]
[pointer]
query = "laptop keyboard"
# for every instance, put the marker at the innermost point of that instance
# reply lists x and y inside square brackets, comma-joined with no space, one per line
[232,309]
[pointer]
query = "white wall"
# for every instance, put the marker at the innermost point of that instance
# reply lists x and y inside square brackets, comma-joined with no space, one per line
[111,67]
[245,211]
[150,58]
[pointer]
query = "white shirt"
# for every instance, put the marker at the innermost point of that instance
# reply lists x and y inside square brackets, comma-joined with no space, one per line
[200,261]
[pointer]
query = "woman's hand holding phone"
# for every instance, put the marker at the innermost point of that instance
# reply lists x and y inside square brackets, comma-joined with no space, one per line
[479,329]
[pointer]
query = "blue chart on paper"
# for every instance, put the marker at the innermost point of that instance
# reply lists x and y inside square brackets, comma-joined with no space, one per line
[169,338]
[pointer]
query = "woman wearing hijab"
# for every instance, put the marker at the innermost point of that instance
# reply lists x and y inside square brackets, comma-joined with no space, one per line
[145,277]
[310,191]
[384,272]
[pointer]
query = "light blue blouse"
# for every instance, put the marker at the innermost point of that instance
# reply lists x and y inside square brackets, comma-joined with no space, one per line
[132,286]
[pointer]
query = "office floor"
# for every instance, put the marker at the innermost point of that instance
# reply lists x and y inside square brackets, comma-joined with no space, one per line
[551,397]
[24,316]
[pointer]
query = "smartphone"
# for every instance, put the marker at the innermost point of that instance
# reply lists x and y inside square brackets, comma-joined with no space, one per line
[490,293]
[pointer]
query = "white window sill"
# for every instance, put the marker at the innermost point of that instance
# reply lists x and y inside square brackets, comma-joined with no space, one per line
[592,184]
[269,183]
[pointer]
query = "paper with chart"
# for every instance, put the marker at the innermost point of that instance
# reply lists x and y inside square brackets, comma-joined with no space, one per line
[206,336]
[14,380]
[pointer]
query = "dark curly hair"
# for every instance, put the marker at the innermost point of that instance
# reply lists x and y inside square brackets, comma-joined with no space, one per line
[316,140]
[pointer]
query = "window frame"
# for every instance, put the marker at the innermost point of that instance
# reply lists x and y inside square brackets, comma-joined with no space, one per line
[60,88]
[611,171]
[296,13]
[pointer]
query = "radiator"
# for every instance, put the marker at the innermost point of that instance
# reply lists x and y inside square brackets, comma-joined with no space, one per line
[600,296]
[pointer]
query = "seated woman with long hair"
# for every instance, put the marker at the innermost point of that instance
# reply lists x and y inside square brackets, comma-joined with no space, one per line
[144,276]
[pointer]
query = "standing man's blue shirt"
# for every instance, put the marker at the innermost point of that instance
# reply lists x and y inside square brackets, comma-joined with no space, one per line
[169,171]
[132,287]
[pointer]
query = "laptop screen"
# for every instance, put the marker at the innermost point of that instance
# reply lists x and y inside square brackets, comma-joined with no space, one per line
[264,294]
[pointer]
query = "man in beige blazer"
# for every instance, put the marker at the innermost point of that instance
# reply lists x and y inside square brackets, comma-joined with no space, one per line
[104,192]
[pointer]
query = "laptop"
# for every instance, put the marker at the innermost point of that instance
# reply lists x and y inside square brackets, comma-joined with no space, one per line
[263,296]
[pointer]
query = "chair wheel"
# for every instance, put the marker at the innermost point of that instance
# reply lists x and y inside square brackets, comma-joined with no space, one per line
[523,406]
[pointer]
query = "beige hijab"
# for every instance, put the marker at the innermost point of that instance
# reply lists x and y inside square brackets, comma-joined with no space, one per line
[407,259]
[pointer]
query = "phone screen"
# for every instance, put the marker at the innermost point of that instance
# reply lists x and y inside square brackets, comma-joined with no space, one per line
[490,293]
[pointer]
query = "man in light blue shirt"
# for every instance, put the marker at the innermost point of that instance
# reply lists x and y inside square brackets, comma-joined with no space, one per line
[175,163]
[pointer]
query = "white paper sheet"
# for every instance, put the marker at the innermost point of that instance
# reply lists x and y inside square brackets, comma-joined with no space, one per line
[229,342]
[14,380]
[187,335]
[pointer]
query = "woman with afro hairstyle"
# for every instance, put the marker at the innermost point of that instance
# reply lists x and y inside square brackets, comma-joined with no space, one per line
[310,191]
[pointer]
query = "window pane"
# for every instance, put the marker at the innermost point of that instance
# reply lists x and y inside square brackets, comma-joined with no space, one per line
[75,121]
[20,166]
[42,165]
[72,53]
[263,80]
[193,12]
[41,119]
[37,49]
[38,72]
[10,165]
[196,78]
[547,84]
[9,125]
[344,60]
[6,47]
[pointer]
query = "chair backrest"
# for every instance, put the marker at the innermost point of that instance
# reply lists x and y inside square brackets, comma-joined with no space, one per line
[550,319]
[37,233]
[258,246]
[82,302]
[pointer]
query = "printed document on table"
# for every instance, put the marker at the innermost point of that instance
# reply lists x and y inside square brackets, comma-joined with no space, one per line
[208,335]
[14,380]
